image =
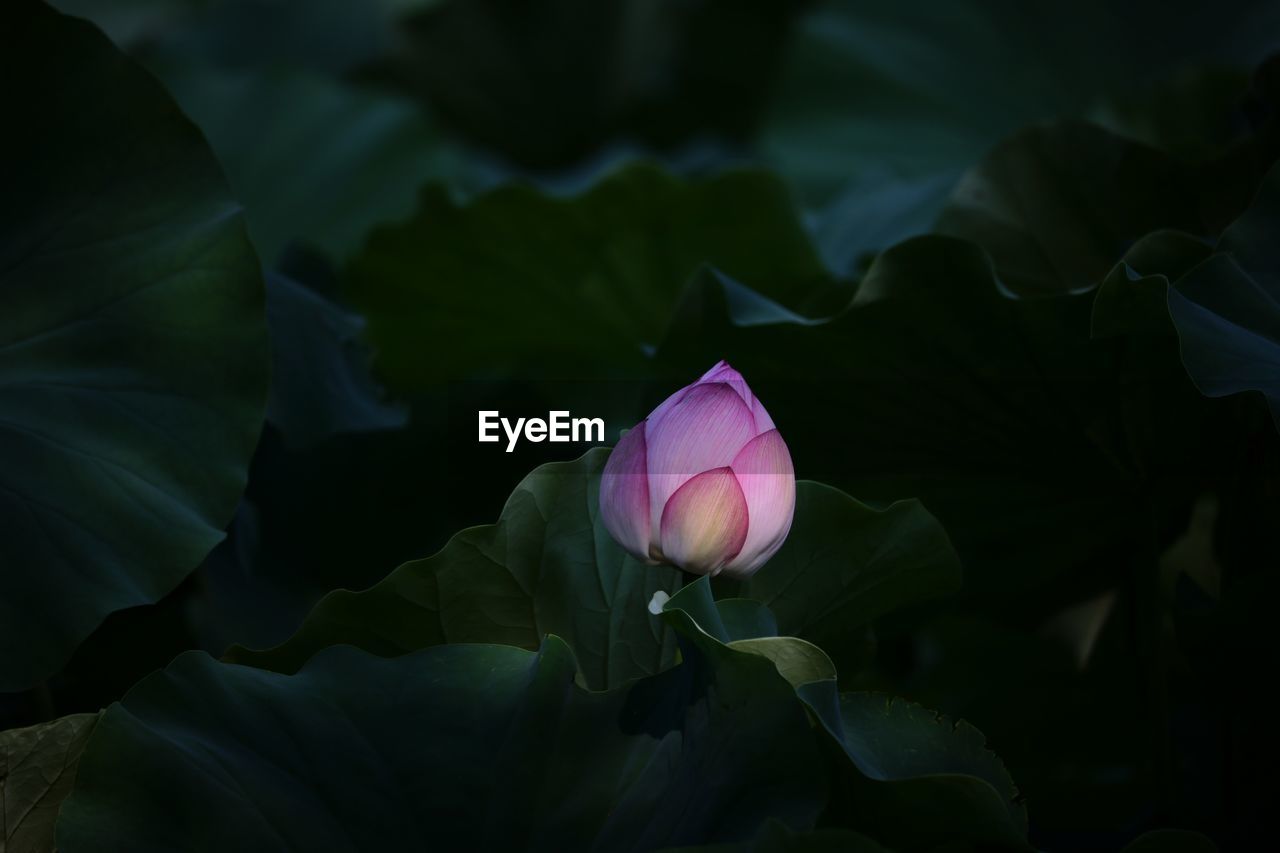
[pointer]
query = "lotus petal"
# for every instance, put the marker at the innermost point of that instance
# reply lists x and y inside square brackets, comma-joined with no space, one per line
[704,525]
[624,494]
[768,480]
[705,429]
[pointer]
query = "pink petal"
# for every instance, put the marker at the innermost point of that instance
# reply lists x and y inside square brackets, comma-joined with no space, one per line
[705,522]
[764,423]
[722,372]
[656,416]
[768,480]
[624,494]
[705,429]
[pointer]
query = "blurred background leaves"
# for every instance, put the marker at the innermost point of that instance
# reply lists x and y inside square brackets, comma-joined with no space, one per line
[515,262]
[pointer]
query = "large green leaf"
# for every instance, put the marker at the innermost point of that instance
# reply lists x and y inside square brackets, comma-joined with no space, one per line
[457,747]
[329,35]
[565,286]
[466,746]
[37,769]
[914,779]
[320,380]
[1133,298]
[133,351]
[1057,205]
[928,779]
[547,566]
[1227,309]
[881,106]
[311,159]
[844,564]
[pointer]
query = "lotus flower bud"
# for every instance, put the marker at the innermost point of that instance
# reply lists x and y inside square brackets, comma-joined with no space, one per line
[704,483]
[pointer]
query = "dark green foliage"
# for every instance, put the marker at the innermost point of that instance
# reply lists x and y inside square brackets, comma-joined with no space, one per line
[419,753]
[549,567]
[1227,309]
[604,269]
[133,349]
[1005,276]
[546,85]
[311,159]
[320,383]
[706,751]
[37,769]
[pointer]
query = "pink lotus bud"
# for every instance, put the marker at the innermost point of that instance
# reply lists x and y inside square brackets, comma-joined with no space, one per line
[704,483]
